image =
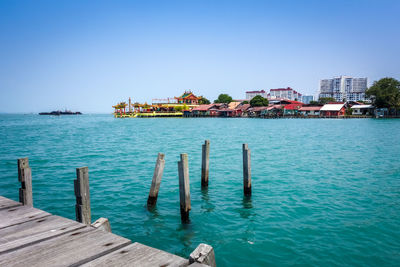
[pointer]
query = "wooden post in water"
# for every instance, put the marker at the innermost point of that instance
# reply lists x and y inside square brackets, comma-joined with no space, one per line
[155,184]
[25,177]
[246,170]
[205,162]
[81,186]
[184,187]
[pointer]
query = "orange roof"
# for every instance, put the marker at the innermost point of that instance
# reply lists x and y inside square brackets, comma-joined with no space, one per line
[315,108]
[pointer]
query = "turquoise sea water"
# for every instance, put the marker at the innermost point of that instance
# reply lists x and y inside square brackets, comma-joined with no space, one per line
[325,192]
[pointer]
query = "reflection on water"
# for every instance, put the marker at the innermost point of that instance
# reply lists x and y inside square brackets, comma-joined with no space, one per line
[247,210]
[186,233]
[206,206]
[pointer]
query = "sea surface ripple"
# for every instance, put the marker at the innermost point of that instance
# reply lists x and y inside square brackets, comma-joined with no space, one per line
[326,192]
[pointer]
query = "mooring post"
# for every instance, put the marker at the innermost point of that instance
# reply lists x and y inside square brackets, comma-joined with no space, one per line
[246,170]
[25,177]
[184,187]
[203,254]
[81,186]
[155,184]
[205,162]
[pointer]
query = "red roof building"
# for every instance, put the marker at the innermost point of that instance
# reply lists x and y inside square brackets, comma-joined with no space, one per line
[188,98]
[310,110]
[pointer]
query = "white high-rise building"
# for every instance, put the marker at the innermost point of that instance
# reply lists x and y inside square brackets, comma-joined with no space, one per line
[251,94]
[344,87]
[285,93]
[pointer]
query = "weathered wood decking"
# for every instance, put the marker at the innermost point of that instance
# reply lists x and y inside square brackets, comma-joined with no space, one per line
[32,237]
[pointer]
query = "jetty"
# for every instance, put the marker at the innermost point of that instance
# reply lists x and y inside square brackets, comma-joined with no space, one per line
[33,237]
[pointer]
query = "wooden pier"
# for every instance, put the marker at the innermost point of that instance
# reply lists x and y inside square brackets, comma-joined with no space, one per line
[32,237]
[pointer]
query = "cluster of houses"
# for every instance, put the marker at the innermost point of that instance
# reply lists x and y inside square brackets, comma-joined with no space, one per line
[281,108]
[189,105]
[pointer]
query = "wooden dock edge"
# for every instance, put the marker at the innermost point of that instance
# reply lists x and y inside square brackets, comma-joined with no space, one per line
[30,236]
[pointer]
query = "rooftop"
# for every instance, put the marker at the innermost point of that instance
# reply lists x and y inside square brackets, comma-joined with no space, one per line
[256,92]
[293,106]
[362,106]
[332,107]
[314,108]
[282,89]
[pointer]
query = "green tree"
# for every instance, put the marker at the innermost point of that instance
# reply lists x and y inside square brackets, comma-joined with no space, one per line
[326,100]
[245,102]
[178,108]
[204,101]
[385,93]
[223,98]
[258,101]
[349,111]
[314,103]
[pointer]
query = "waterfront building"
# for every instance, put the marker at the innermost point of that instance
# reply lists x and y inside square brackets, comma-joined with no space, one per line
[256,111]
[333,110]
[310,111]
[188,98]
[344,88]
[202,110]
[251,94]
[306,99]
[241,110]
[363,109]
[292,109]
[272,111]
[285,93]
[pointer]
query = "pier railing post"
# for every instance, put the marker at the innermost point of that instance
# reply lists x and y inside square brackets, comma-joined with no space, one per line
[25,177]
[246,170]
[205,162]
[184,187]
[155,184]
[82,194]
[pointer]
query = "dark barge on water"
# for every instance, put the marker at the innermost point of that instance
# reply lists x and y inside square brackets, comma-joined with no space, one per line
[59,112]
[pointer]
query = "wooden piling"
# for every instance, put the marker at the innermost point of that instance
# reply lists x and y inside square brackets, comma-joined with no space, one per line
[246,170]
[25,177]
[205,162]
[82,194]
[203,254]
[184,187]
[155,184]
[102,224]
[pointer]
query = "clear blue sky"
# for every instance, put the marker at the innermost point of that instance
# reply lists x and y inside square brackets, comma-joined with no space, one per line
[87,55]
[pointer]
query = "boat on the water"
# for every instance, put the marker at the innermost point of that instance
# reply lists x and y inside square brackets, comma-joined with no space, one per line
[59,112]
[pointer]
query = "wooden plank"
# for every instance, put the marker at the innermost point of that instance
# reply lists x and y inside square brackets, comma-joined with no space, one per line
[205,163]
[25,177]
[19,214]
[72,249]
[6,203]
[28,233]
[155,184]
[82,194]
[196,264]
[139,255]
[184,187]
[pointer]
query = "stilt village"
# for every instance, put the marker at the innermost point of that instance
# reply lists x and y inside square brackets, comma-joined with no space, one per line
[190,105]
